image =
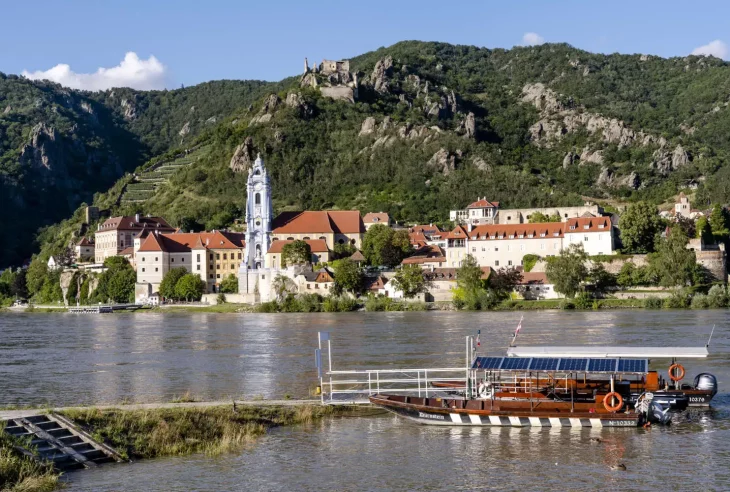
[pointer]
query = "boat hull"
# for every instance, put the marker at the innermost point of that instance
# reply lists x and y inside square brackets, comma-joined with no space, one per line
[462,417]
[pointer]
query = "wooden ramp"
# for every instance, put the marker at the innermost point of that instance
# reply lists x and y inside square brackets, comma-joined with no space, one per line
[55,438]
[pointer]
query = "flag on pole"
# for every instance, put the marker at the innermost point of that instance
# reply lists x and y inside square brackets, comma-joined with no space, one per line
[479,332]
[519,326]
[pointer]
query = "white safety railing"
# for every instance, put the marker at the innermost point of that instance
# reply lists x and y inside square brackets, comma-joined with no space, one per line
[355,385]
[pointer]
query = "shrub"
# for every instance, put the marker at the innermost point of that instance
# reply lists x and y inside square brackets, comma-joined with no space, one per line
[653,303]
[717,297]
[678,300]
[529,261]
[583,301]
[700,301]
[566,304]
[221,298]
[290,305]
[333,304]
[310,303]
[268,307]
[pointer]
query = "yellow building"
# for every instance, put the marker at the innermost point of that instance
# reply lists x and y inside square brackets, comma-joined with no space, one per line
[320,252]
[332,226]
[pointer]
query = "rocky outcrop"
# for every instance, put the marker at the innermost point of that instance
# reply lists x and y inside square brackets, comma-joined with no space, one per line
[339,93]
[608,178]
[129,109]
[468,126]
[559,118]
[65,280]
[442,161]
[589,156]
[368,126]
[568,160]
[665,161]
[184,130]
[481,164]
[380,78]
[211,120]
[296,101]
[266,113]
[42,151]
[243,157]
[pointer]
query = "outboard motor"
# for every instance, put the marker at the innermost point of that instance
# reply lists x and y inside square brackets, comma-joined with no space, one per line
[658,413]
[706,382]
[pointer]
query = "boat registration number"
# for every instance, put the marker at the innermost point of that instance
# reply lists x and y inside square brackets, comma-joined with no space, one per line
[430,416]
[625,423]
[697,399]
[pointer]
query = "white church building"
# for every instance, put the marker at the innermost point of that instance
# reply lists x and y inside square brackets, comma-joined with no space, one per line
[254,278]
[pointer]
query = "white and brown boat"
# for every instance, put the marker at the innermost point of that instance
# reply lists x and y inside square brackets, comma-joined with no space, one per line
[538,391]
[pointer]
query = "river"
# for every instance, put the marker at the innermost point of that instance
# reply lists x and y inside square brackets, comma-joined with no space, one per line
[71,359]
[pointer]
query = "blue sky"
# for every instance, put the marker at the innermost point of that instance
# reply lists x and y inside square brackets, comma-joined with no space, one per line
[196,41]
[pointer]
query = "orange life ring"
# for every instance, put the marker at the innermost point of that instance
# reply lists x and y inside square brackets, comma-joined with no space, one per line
[679,376]
[607,402]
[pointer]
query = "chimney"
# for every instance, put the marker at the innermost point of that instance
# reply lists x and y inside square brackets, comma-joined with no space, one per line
[136,217]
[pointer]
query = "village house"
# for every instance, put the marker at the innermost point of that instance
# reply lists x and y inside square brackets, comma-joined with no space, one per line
[332,226]
[534,286]
[421,235]
[320,252]
[84,250]
[212,255]
[118,233]
[486,212]
[315,282]
[426,257]
[442,282]
[373,218]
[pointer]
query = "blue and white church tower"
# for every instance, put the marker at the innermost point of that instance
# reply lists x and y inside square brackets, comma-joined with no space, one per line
[259,214]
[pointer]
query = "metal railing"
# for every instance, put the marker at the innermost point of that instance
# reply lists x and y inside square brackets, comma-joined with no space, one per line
[357,385]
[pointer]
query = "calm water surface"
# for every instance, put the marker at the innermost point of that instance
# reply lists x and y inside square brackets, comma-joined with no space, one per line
[65,359]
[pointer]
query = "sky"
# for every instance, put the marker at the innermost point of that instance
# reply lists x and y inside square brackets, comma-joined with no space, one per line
[158,44]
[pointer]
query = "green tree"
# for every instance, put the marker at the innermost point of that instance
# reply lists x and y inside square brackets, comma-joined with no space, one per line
[384,246]
[538,218]
[567,271]
[410,280]
[296,253]
[640,224]
[116,284]
[704,231]
[36,275]
[348,276]
[673,263]
[190,287]
[719,223]
[504,281]
[469,275]
[601,279]
[168,286]
[229,285]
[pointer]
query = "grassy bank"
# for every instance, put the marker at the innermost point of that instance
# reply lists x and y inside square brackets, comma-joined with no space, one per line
[21,473]
[157,433]
[215,308]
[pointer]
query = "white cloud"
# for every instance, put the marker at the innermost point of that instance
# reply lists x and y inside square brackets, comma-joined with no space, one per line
[532,39]
[714,48]
[131,72]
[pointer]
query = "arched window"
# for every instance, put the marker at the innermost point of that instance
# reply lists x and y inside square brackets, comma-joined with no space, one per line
[305,238]
[323,238]
[341,241]
[257,172]
[257,198]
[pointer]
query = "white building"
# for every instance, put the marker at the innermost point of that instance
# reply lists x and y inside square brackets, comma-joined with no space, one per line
[486,212]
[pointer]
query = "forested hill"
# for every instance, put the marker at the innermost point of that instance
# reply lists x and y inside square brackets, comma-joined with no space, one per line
[434,126]
[60,146]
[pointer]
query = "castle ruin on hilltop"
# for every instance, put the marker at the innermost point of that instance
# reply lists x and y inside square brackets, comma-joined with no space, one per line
[333,78]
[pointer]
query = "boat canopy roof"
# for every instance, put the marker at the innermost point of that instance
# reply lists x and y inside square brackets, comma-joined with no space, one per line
[562,365]
[596,352]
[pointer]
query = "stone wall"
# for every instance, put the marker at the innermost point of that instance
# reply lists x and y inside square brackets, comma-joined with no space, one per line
[519,215]
[339,92]
[715,262]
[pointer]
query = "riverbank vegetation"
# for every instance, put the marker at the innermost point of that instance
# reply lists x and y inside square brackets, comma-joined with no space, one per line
[20,472]
[138,434]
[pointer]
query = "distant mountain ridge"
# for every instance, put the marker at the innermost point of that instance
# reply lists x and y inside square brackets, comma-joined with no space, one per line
[434,125]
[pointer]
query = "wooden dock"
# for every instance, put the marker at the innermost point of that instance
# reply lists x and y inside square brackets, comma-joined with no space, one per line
[103,309]
[55,438]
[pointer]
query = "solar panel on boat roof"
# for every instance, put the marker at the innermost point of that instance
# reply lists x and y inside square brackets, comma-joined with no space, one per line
[632,365]
[514,363]
[602,365]
[488,362]
[573,364]
[544,364]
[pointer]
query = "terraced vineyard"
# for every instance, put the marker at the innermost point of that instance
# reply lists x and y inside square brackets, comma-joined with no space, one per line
[145,185]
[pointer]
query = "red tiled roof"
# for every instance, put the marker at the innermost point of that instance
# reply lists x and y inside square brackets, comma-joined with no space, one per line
[530,278]
[375,283]
[483,203]
[127,251]
[457,232]
[129,223]
[324,221]
[357,256]
[527,231]
[376,218]
[183,242]
[85,242]
[426,254]
[425,229]
[594,224]
[417,239]
[317,245]
[438,274]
